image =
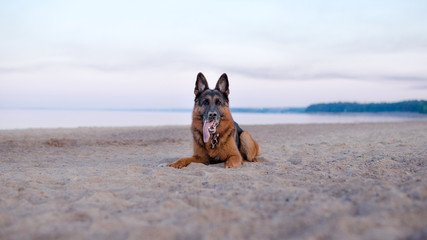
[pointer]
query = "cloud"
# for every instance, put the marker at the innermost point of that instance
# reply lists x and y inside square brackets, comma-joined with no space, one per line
[304,74]
[177,62]
[23,69]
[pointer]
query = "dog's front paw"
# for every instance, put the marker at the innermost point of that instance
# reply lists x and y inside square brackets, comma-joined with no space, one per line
[233,162]
[179,164]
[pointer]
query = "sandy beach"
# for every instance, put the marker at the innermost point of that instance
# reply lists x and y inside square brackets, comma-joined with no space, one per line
[324,181]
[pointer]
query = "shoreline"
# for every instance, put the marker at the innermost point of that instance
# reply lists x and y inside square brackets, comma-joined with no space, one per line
[333,181]
[17,119]
[188,125]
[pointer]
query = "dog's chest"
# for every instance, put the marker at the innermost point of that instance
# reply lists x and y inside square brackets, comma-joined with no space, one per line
[214,152]
[214,160]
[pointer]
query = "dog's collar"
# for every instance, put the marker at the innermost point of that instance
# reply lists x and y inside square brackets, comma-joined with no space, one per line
[214,140]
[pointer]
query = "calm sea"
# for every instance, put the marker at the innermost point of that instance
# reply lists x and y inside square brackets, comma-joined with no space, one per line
[22,119]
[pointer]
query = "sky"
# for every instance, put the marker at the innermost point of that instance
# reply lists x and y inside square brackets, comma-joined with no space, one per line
[146,54]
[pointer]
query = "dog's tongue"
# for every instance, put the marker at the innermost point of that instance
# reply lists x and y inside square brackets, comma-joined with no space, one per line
[206,134]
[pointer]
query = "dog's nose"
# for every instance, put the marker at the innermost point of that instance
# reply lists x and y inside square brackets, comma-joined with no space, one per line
[212,115]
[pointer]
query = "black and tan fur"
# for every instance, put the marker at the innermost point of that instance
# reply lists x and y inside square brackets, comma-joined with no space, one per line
[231,145]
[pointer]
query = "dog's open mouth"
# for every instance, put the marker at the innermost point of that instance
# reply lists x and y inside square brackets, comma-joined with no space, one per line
[208,129]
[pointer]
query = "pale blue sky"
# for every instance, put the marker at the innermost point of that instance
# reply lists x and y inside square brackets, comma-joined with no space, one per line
[146,54]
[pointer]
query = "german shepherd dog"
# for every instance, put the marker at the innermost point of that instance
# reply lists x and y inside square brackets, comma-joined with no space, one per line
[216,137]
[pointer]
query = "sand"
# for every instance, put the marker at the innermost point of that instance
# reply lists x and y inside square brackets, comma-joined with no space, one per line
[325,181]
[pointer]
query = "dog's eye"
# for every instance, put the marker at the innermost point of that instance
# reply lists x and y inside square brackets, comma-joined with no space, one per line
[218,102]
[205,102]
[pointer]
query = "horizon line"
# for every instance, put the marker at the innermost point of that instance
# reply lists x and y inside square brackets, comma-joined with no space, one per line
[235,109]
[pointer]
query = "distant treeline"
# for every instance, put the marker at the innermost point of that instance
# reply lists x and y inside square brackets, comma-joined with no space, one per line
[406,106]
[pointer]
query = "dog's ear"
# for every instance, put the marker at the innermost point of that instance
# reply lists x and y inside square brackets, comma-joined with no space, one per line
[222,84]
[201,84]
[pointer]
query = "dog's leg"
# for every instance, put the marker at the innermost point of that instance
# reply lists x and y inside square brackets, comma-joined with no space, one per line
[183,162]
[234,161]
[248,147]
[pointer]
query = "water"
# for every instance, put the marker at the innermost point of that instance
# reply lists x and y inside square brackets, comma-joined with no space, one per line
[22,119]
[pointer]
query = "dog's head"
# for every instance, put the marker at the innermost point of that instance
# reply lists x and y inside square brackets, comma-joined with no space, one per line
[210,104]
